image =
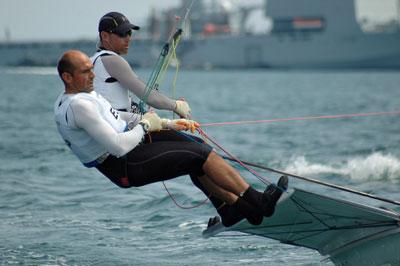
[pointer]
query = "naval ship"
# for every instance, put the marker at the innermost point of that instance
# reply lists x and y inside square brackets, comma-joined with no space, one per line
[304,34]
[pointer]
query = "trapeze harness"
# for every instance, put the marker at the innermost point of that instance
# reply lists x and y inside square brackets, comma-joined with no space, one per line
[108,86]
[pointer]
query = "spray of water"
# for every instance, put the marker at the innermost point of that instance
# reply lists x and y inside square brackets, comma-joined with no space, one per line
[376,166]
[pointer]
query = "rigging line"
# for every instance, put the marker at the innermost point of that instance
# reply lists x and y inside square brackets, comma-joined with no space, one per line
[244,232]
[158,69]
[175,57]
[311,180]
[326,228]
[314,232]
[300,118]
[319,231]
[172,196]
[181,206]
[151,82]
[166,63]
[234,158]
[310,232]
[299,205]
[325,217]
[314,211]
[163,60]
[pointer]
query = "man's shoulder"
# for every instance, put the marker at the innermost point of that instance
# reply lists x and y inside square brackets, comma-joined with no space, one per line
[84,99]
[116,65]
[103,53]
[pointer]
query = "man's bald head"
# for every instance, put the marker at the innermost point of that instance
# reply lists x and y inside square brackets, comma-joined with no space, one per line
[76,71]
[69,61]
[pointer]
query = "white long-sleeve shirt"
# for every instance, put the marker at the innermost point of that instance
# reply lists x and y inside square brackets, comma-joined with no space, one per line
[91,127]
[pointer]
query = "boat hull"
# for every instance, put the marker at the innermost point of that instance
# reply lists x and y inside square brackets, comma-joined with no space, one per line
[347,233]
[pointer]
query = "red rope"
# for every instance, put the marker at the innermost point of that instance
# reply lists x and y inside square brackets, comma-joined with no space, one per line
[233,157]
[181,206]
[172,196]
[262,179]
[300,118]
[203,134]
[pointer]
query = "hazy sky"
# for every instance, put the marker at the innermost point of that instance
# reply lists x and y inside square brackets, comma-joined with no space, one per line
[25,20]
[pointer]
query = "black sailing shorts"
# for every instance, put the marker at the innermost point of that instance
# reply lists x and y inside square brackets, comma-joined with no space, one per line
[161,156]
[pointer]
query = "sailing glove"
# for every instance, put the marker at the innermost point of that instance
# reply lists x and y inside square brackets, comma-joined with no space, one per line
[152,120]
[180,124]
[182,108]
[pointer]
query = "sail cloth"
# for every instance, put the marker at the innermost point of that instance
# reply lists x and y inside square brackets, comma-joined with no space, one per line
[349,233]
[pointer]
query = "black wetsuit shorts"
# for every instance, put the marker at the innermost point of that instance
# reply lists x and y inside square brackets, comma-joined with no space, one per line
[161,156]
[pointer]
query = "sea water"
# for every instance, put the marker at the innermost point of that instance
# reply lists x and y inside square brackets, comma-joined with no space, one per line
[54,211]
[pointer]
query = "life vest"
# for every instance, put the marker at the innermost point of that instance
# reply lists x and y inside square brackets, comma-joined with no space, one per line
[87,149]
[108,86]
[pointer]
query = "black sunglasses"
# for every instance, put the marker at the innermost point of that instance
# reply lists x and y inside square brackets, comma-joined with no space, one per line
[123,34]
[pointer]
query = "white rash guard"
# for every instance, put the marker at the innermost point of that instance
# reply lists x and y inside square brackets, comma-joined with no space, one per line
[114,77]
[92,128]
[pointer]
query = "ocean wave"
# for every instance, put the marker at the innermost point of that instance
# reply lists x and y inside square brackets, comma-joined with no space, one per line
[376,166]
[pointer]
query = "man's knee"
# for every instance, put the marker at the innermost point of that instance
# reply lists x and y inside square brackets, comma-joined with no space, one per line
[212,158]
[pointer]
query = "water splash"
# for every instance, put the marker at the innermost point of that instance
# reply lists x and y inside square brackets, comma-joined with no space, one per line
[376,166]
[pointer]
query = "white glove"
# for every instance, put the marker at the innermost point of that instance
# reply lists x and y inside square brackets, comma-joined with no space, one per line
[152,120]
[182,108]
[180,124]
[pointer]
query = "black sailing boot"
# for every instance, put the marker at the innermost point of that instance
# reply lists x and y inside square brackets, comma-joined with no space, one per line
[213,221]
[272,194]
[252,215]
[265,202]
[229,214]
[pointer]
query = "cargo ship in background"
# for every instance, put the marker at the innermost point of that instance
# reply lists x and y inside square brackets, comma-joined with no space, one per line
[302,34]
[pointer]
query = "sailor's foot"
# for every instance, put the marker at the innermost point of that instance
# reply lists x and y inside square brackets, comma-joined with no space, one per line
[272,194]
[264,203]
[283,182]
[252,215]
[230,215]
[213,221]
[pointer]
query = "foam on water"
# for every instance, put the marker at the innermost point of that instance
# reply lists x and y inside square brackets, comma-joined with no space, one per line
[375,166]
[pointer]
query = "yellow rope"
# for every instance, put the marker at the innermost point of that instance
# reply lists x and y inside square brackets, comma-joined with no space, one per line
[167,61]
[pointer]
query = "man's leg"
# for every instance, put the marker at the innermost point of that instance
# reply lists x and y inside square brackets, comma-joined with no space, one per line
[229,214]
[223,175]
[227,178]
[163,160]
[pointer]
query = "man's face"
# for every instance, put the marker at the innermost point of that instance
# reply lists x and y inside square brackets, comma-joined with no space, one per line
[119,43]
[83,75]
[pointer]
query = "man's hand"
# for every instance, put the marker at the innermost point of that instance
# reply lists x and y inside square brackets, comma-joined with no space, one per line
[180,124]
[152,120]
[182,108]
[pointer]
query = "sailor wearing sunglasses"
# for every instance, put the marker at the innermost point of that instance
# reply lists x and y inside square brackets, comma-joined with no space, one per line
[114,76]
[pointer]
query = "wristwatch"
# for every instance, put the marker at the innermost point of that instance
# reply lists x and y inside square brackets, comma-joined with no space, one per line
[131,125]
[145,126]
